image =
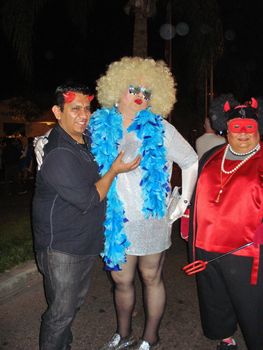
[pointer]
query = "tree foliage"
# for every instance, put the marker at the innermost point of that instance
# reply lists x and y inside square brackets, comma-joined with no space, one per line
[202,46]
[20,17]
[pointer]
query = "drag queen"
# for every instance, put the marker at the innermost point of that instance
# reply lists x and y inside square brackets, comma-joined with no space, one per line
[136,95]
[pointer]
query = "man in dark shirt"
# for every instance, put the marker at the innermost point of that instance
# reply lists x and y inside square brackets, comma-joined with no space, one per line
[68,214]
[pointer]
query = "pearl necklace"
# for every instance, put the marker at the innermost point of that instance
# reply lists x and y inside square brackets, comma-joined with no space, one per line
[243,154]
[231,172]
[250,154]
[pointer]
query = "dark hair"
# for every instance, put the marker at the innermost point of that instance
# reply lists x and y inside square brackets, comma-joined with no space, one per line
[72,86]
[216,112]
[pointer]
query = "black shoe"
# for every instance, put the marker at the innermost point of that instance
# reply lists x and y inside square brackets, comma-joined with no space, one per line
[226,346]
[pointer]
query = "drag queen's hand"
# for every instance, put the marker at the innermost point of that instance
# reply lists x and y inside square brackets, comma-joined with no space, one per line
[179,203]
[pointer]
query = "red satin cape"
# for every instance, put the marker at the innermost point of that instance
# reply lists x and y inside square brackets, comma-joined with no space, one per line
[232,222]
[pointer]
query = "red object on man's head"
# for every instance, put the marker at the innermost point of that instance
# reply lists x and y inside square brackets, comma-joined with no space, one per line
[90,97]
[70,96]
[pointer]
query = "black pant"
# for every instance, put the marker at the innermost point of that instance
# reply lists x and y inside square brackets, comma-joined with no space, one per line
[226,298]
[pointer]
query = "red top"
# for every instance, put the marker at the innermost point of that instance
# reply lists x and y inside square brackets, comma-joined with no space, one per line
[232,221]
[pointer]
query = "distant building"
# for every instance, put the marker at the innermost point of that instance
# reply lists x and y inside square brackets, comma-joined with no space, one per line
[13,123]
[41,125]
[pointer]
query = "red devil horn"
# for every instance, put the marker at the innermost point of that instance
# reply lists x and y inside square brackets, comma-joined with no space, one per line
[69,96]
[254,103]
[226,106]
[90,97]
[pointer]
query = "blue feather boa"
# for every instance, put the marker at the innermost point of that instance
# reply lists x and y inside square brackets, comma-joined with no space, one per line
[106,132]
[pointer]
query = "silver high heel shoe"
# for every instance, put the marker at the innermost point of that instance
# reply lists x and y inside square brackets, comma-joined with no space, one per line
[118,343]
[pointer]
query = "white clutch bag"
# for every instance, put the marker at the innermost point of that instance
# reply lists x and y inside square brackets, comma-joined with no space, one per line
[174,199]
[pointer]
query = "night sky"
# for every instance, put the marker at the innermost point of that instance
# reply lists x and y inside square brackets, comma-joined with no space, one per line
[62,53]
[243,56]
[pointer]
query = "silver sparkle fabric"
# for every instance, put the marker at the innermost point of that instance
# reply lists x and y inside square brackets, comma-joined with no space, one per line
[149,236]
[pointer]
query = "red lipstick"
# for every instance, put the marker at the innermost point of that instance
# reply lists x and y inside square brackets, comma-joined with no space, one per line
[138,101]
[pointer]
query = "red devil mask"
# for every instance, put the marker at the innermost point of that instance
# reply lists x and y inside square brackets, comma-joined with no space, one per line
[70,96]
[242,125]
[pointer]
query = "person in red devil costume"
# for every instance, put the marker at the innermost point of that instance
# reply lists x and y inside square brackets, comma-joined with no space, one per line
[226,215]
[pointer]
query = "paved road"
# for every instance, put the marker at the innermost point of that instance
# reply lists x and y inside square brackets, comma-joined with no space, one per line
[20,313]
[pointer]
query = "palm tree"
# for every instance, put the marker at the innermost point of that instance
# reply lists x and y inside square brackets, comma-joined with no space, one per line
[19,18]
[142,10]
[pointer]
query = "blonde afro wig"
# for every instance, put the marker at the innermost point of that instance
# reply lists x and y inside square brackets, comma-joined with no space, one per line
[146,72]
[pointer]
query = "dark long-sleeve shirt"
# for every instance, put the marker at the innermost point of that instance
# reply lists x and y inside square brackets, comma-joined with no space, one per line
[67,213]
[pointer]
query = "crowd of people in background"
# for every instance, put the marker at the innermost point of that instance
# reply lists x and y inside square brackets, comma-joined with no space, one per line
[17,164]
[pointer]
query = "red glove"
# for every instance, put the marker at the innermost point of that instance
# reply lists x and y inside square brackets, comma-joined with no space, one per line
[184,225]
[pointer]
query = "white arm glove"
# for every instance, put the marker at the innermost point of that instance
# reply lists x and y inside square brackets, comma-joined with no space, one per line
[178,204]
[39,143]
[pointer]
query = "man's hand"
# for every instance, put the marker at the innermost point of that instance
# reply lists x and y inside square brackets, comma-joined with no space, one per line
[119,166]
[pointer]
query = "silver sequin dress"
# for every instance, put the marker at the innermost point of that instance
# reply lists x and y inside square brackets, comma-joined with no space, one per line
[149,236]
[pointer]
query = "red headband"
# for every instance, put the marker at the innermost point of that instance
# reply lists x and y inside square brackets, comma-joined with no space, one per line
[253,104]
[70,96]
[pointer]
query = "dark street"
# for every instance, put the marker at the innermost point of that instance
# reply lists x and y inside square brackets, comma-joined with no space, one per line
[95,323]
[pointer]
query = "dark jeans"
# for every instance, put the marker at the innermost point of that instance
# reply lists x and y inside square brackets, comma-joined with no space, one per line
[66,282]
